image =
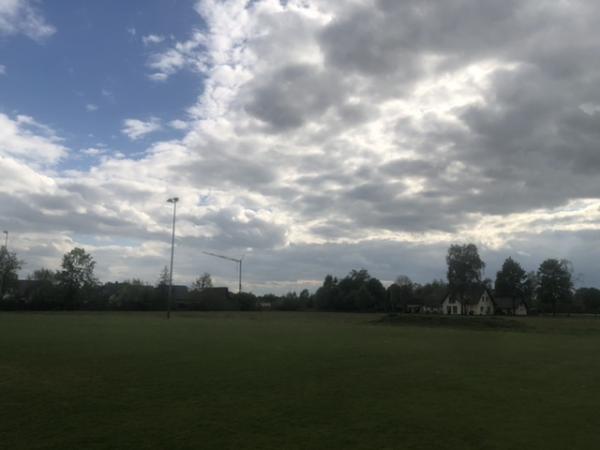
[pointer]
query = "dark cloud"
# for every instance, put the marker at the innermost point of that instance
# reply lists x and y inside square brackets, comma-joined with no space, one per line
[293,95]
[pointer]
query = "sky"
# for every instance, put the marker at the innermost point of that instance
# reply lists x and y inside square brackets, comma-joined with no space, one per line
[310,136]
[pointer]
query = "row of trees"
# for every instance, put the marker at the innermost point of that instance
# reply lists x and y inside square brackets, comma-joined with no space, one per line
[74,286]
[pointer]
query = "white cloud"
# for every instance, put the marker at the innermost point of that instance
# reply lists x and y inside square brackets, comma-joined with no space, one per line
[93,151]
[187,54]
[91,107]
[152,39]
[135,128]
[25,139]
[23,17]
[2,69]
[179,124]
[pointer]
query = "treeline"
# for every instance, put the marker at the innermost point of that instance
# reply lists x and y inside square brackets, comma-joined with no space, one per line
[75,287]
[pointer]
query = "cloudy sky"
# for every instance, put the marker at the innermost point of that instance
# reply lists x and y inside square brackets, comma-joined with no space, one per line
[312,136]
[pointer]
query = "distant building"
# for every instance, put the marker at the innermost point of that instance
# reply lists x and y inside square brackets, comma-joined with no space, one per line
[475,302]
[427,305]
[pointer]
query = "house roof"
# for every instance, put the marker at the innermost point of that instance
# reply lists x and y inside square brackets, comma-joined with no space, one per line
[472,296]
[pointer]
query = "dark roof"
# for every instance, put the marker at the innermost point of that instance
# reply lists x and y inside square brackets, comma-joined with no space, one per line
[472,296]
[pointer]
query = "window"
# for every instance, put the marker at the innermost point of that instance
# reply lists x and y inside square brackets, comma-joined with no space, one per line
[454,310]
[448,310]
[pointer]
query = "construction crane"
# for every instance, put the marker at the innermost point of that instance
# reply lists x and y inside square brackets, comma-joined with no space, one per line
[235,260]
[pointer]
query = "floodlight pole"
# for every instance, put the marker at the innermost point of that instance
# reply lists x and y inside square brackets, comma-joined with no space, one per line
[240,279]
[2,277]
[173,200]
[235,260]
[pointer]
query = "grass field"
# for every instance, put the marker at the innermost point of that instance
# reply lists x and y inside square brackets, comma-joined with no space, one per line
[295,381]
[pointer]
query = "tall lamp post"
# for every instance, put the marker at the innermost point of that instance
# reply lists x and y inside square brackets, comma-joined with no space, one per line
[173,200]
[1,276]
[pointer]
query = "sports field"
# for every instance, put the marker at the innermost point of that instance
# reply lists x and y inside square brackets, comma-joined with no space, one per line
[296,381]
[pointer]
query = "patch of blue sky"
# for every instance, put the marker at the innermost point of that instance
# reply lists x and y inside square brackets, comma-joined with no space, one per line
[92,73]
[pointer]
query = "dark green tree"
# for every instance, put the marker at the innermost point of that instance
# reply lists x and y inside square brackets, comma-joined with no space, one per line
[327,295]
[589,298]
[204,281]
[246,301]
[511,282]
[77,276]
[555,283]
[465,268]
[351,298]
[344,295]
[400,293]
[9,267]
[363,300]
[44,292]
[163,278]
[431,293]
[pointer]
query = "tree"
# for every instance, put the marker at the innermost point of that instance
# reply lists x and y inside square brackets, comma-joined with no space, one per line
[363,300]
[400,293]
[511,282]
[163,278]
[531,287]
[346,294]
[555,283]
[44,292]
[327,295]
[431,293]
[9,267]
[305,298]
[351,295]
[464,268]
[202,282]
[77,275]
[589,298]
[403,280]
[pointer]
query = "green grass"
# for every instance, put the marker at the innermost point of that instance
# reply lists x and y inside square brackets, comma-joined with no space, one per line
[295,381]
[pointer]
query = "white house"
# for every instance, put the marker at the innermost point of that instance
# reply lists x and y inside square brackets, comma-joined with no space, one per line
[475,302]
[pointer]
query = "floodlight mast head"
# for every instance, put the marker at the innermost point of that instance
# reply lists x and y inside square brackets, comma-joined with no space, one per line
[235,260]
